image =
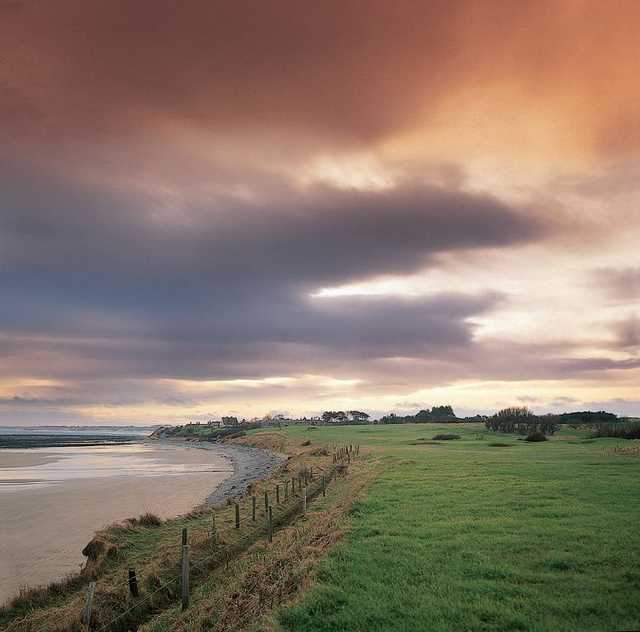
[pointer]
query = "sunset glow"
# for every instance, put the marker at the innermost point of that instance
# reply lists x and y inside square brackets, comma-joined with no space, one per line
[380,206]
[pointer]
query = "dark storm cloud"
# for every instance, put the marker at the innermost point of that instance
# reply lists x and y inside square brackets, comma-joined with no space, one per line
[94,260]
[94,284]
[304,236]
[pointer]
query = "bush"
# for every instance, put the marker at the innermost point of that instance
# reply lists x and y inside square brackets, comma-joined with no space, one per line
[446,437]
[536,436]
[620,430]
[520,420]
[306,443]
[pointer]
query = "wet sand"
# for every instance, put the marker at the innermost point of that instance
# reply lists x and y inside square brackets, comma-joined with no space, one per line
[52,500]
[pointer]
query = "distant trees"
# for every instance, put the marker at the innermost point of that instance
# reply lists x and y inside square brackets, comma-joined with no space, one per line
[587,417]
[333,416]
[436,414]
[340,417]
[392,418]
[521,420]
[442,413]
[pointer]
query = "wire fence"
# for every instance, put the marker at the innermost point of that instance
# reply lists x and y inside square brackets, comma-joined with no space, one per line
[251,518]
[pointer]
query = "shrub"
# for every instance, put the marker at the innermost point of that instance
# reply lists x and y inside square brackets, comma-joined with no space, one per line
[628,430]
[306,443]
[446,437]
[536,436]
[520,420]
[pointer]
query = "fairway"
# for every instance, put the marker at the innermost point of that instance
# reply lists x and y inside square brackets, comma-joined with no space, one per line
[463,535]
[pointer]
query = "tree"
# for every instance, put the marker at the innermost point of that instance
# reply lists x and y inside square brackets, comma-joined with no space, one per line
[330,416]
[358,416]
[442,412]
[521,420]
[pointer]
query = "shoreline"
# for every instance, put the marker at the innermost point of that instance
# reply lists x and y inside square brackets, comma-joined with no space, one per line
[250,465]
[83,490]
[243,466]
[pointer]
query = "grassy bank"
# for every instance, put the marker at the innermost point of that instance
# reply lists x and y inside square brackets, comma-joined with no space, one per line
[153,549]
[483,533]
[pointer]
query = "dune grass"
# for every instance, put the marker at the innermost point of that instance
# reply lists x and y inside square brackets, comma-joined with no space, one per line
[466,535]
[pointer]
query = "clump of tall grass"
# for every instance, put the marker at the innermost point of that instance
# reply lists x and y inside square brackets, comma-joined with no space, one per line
[145,520]
[30,598]
[620,430]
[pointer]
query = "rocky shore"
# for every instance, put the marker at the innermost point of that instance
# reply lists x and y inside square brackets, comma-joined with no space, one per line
[249,465]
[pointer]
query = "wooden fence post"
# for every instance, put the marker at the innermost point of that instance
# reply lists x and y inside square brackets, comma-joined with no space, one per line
[278,494]
[270,524]
[185,576]
[324,486]
[214,532]
[286,490]
[184,536]
[237,516]
[253,508]
[133,583]
[293,485]
[88,604]
[304,500]
[266,501]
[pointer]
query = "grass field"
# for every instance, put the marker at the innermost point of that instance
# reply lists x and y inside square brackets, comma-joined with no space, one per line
[484,532]
[463,535]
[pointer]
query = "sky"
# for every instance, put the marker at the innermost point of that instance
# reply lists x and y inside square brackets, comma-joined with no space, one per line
[212,208]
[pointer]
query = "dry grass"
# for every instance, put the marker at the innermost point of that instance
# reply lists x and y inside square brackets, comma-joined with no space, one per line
[627,450]
[152,547]
[269,575]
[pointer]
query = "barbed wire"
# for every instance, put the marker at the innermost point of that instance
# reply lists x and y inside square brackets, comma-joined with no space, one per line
[251,530]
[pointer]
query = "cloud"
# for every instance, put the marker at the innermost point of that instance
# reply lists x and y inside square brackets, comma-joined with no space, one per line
[342,73]
[619,283]
[177,184]
[629,333]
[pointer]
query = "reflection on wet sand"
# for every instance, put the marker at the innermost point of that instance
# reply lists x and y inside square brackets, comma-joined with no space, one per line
[54,499]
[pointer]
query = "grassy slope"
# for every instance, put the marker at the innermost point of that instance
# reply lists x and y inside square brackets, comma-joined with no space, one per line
[466,536]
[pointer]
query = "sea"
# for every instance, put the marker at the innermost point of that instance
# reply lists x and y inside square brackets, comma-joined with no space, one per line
[59,485]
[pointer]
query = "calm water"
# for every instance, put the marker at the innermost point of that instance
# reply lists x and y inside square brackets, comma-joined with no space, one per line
[53,499]
[29,468]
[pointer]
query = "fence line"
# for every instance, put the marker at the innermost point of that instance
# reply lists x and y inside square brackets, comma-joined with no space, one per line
[253,531]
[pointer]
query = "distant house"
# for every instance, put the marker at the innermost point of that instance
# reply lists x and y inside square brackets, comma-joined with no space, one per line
[229,421]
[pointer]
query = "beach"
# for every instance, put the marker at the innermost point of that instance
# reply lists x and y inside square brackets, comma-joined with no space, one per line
[54,499]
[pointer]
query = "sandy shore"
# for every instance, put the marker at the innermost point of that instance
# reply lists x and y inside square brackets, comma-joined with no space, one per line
[45,526]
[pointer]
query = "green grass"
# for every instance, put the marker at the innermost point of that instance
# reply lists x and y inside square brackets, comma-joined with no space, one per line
[463,535]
